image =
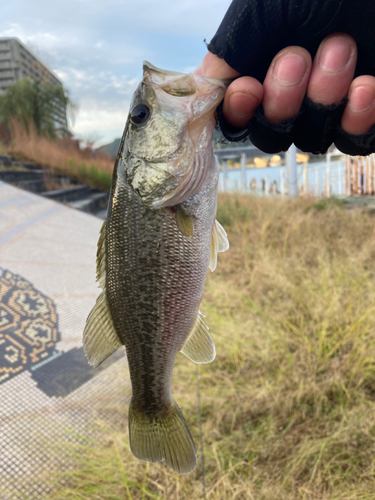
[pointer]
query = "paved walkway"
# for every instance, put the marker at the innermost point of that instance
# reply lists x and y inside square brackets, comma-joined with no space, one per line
[47,289]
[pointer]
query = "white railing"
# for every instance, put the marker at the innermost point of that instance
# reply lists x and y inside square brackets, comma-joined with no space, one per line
[344,177]
[324,179]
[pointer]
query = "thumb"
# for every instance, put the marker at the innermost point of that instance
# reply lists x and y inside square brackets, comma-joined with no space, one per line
[213,66]
[243,95]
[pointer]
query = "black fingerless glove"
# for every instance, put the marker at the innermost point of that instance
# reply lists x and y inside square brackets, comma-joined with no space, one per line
[251,34]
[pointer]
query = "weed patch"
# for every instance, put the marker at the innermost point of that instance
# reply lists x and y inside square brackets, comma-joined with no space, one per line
[288,405]
[61,156]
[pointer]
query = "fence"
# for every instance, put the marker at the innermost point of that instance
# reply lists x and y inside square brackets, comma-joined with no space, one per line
[360,175]
[336,175]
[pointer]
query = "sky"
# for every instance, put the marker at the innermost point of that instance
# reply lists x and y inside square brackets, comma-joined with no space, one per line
[97,48]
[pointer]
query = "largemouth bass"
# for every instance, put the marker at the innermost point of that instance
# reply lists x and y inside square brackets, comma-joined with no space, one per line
[158,241]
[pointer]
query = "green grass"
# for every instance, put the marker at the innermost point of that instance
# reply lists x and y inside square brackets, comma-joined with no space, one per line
[91,174]
[324,203]
[288,405]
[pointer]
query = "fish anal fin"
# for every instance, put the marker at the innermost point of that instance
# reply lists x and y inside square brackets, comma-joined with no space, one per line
[184,222]
[199,346]
[100,339]
[164,438]
[219,243]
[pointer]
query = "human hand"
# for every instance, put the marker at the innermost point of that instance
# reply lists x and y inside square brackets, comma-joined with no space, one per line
[326,80]
[310,103]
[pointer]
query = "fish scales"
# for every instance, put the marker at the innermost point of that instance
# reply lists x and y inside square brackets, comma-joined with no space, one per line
[155,278]
[154,250]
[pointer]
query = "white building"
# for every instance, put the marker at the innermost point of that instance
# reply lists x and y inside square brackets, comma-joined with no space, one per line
[16,62]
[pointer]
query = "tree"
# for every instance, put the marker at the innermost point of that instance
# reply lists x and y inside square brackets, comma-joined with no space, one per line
[36,103]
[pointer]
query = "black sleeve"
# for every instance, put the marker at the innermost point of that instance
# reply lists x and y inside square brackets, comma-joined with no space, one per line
[253,31]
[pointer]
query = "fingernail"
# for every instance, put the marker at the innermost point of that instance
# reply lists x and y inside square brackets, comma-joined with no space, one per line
[335,54]
[289,69]
[242,104]
[361,99]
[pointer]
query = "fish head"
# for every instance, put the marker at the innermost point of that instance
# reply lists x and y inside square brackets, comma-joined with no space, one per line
[171,121]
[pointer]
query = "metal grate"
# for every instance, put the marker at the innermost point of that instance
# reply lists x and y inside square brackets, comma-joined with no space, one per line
[48,392]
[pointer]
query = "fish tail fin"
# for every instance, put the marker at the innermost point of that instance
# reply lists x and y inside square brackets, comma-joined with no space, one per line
[163,438]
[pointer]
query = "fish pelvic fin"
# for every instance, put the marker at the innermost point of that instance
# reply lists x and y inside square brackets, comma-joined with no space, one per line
[199,346]
[162,438]
[100,339]
[219,243]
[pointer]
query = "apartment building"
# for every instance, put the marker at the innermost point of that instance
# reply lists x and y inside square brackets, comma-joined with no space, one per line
[16,61]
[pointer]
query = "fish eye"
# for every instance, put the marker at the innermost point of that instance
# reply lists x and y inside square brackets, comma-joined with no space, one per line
[140,114]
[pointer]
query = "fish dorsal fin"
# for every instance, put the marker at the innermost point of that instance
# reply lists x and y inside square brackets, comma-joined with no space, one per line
[100,339]
[199,346]
[184,222]
[100,256]
[219,243]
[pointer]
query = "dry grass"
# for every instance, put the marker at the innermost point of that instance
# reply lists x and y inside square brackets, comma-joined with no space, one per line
[3,149]
[288,406]
[61,156]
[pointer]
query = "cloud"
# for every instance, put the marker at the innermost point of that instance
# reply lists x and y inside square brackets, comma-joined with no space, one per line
[183,17]
[96,48]
[89,83]
[103,102]
[37,41]
[100,121]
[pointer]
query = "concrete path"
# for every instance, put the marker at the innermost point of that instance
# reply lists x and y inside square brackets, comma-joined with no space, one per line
[47,289]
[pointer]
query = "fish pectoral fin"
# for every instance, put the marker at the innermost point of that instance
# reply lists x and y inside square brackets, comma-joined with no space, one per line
[199,346]
[184,222]
[100,256]
[219,243]
[163,437]
[100,339]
